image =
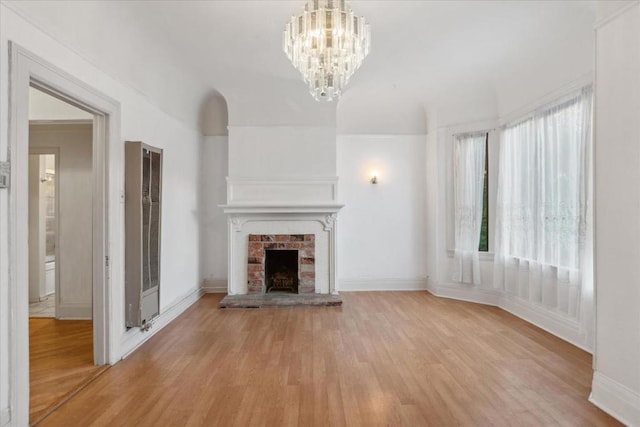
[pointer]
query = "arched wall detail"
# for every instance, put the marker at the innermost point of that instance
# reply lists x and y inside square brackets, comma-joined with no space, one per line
[214,115]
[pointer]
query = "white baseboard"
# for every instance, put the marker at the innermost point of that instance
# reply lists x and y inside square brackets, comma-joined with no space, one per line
[616,399]
[214,286]
[554,323]
[465,293]
[135,337]
[45,297]
[551,322]
[351,285]
[73,311]
[5,417]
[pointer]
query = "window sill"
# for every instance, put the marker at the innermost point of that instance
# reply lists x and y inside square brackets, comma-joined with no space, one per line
[484,256]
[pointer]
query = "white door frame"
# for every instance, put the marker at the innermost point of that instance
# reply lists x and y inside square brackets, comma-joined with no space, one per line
[27,69]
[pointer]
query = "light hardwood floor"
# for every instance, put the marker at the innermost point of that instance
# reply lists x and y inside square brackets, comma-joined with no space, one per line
[60,362]
[382,359]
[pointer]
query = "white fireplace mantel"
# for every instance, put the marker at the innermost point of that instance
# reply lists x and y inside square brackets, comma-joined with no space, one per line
[279,208]
[266,208]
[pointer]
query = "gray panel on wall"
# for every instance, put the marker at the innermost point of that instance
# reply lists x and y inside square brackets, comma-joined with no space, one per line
[143,193]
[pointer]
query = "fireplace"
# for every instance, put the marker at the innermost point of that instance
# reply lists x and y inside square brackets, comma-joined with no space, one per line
[281,262]
[281,270]
[279,214]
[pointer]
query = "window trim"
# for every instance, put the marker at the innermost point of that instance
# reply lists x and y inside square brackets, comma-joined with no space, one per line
[491,127]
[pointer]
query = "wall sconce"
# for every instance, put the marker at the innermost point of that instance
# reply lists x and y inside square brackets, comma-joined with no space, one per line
[374,177]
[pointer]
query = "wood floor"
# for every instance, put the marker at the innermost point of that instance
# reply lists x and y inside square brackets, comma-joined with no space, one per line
[60,362]
[382,359]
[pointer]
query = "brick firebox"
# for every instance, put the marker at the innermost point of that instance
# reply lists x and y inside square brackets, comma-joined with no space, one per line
[260,243]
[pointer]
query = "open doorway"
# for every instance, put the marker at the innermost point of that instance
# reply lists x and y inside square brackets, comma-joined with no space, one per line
[27,71]
[42,233]
[60,171]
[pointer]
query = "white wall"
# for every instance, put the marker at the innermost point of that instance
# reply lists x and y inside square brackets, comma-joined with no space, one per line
[616,383]
[213,241]
[382,237]
[570,57]
[282,151]
[141,119]
[278,131]
[432,190]
[115,40]
[74,175]
[264,100]
[380,112]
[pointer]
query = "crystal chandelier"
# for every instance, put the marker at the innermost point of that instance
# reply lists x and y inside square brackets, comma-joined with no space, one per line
[327,44]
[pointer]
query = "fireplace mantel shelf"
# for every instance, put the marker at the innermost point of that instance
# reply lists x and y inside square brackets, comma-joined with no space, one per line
[256,208]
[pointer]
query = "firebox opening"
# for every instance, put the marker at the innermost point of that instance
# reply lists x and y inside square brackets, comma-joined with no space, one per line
[281,271]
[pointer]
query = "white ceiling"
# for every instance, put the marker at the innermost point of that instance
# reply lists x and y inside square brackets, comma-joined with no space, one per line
[433,55]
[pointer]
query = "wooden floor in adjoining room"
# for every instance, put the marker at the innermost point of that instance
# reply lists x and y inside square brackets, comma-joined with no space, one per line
[60,362]
[382,359]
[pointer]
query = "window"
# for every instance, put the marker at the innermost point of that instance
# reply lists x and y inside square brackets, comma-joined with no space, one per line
[542,248]
[464,162]
[544,165]
[484,227]
[470,205]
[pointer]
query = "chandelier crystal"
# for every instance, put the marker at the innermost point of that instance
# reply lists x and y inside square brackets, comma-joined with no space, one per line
[327,44]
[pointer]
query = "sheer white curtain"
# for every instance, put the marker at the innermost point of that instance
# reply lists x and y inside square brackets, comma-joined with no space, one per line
[468,180]
[543,244]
